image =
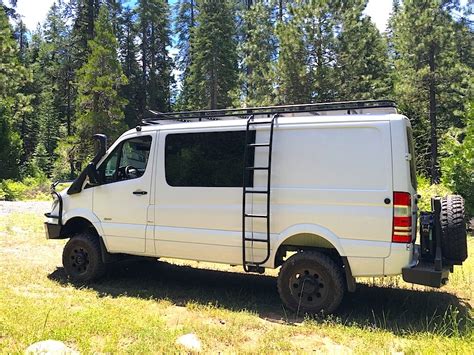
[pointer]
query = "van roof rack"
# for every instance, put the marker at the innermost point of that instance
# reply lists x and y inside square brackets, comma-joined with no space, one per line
[344,107]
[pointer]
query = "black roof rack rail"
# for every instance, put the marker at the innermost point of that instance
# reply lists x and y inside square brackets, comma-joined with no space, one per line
[244,112]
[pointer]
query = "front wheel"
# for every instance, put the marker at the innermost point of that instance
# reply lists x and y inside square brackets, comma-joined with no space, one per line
[82,259]
[311,282]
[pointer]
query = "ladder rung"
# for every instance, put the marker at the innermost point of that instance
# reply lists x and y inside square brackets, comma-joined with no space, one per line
[259,144]
[256,167]
[257,191]
[257,240]
[250,215]
[264,122]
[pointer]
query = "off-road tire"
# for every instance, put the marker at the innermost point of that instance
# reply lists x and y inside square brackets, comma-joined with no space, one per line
[82,258]
[317,271]
[453,228]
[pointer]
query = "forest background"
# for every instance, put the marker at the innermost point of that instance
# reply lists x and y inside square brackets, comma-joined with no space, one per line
[98,66]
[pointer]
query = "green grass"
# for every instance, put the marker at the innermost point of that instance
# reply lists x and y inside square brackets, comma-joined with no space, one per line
[143,306]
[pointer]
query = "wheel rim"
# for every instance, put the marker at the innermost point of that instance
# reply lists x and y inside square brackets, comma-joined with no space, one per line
[79,260]
[308,287]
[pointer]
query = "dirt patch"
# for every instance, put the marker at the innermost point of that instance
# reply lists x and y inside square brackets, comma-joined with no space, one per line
[35,207]
[35,291]
[317,344]
[175,315]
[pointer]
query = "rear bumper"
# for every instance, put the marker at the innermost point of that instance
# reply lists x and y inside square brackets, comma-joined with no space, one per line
[52,230]
[424,273]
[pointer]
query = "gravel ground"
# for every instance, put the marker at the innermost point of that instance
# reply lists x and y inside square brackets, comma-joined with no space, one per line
[36,207]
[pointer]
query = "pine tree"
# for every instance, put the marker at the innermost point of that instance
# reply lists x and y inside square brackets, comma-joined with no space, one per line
[9,8]
[99,105]
[458,161]
[186,12]
[156,66]
[431,79]
[84,13]
[12,76]
[48,134]
[361,56]
[213,70]
[21,35]
[258,54]
[291,65]
[131,69]
[305,65]
[55,56]
[49,57]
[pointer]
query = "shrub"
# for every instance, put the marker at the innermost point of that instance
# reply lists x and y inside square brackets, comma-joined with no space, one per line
[457,165]
[426,190]
[28,189]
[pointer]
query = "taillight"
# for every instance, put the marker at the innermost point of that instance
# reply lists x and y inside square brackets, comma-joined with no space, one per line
[401,217]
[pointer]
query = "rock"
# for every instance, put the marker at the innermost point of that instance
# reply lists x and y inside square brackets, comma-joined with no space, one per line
[190,342]
[50,347]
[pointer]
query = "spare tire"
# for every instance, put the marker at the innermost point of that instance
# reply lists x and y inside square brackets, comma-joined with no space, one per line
[453,229]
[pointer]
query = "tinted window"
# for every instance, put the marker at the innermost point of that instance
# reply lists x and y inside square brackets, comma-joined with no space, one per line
[208,159]
[411,150]
[128,160]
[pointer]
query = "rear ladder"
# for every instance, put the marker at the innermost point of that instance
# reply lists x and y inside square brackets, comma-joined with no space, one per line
[252,265]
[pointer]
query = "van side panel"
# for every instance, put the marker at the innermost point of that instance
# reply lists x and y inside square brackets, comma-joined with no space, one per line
[334,176]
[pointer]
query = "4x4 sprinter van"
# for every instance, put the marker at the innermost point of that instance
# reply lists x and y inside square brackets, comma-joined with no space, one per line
[327,192]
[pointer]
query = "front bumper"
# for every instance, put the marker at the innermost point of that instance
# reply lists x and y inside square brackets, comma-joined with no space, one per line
[52,230]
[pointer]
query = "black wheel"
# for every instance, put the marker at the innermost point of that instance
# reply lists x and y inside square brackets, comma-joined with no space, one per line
[453,228]
[311,282]
[82,258]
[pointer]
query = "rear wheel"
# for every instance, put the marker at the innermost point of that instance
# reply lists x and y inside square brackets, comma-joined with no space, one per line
[82,258]
[453,228]
[311,282]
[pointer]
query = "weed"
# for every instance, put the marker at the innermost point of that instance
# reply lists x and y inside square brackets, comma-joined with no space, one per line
[144,306]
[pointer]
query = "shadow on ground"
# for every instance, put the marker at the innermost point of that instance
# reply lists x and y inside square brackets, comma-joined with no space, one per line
[396,310]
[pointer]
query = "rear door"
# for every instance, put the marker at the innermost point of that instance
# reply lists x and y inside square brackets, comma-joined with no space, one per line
[413,183]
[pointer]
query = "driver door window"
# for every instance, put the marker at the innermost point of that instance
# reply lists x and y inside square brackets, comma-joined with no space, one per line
[127,161]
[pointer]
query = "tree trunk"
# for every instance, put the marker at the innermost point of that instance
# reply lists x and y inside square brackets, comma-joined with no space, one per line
[68,109]
[90,19]
[213,91]
[280,10]
[432,98]
[144,65]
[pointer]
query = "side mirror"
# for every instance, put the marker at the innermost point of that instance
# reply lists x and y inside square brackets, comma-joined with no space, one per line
[131,172]
[93,175]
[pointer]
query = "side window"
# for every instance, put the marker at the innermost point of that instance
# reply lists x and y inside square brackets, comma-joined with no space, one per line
[206,159]
[108,169]
[411,150]
[127,161]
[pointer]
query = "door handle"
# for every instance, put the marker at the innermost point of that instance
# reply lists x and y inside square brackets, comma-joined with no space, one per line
[139,192]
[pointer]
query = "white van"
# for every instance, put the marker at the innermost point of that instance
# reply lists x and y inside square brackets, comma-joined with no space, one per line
[326,191]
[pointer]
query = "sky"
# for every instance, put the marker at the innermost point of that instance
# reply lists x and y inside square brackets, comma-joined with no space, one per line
[35,11]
